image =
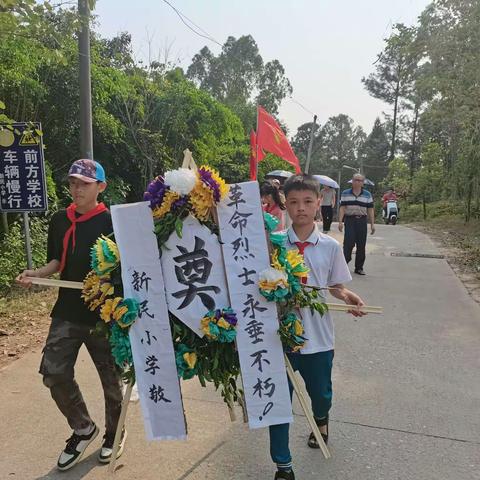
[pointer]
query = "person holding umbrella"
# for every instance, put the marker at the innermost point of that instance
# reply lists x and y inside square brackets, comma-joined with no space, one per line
[356,207]
[327,204]
[327,196]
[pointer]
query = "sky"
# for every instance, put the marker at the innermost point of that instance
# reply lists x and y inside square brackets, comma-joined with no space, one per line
[325,46]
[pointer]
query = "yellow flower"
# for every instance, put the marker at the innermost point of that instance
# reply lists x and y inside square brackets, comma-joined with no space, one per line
[201,198]
[204,323]
[270,286]
[223,324]
[298,327]
[91,286]
[119,313]
[224,188]
[108,308]
[294,258]
[275,262]
[190,359]
[168,199]
[297,263]
[106,288]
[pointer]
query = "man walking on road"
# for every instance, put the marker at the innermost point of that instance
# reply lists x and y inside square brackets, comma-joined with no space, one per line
[356,207]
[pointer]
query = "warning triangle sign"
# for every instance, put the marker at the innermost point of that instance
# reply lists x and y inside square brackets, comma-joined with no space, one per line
[28,138]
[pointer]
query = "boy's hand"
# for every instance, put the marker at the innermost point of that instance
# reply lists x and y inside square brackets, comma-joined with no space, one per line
[21,279]
[340,226]
[372,231]
[351,298]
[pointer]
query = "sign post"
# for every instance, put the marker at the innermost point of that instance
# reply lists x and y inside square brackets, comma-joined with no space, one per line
[22,173]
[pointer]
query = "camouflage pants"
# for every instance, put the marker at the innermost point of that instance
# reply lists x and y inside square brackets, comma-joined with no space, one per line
[57,367]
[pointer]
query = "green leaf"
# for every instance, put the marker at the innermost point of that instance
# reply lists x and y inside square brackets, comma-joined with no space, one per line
[2,106]
[179,227]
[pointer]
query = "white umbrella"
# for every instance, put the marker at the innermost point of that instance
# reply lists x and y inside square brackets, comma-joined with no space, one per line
[279,173]
[327,181]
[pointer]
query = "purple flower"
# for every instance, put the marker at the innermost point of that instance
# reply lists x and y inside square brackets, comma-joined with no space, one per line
[231,318]
[206,177]
[177,204]
[155,192]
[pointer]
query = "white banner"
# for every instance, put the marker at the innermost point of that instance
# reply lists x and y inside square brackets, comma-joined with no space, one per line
[245,254]
[194,274]
[150,336]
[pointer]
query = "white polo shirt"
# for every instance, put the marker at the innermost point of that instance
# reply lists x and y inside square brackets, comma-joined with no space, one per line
[327,266]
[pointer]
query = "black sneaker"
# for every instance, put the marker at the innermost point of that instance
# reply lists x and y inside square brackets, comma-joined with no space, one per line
[73,452]
[284,475]
[360,271]
[107,448]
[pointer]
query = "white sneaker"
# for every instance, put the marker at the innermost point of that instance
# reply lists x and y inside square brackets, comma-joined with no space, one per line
[107,448]
[73,452]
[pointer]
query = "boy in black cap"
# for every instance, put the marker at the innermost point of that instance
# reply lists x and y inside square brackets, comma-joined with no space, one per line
[71,235]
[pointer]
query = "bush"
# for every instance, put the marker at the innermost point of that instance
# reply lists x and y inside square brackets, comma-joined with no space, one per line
[443,208]
[12,250]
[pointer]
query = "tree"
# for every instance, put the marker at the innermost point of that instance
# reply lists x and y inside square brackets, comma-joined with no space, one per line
[427,180]
[393,71]
[398,177]
[239,78]
[374,153]
[339,144]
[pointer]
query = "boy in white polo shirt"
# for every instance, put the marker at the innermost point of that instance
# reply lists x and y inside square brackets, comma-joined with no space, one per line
[324,256]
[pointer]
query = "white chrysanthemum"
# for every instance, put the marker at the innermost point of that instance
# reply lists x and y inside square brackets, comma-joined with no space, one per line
[272,275]
[181,181]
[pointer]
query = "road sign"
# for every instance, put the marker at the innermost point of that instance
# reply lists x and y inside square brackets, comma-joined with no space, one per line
[22,168]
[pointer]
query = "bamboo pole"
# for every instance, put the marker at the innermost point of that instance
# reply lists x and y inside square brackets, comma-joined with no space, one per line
[120,425]
[338,307]
[306,409]
[343,307]
[53,282]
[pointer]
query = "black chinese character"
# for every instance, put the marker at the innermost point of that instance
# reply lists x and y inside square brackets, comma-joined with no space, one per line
[254,331]
[157,394]
[246,274]
[196,269]
[151,363]
[235,195]
[252,306]
[139,280]
[241,242]
[264,387]
[259,359]
[239,220]
[149,338]
[143,309]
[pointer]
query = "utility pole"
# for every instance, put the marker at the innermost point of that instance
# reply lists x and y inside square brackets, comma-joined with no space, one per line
[310,145]
[86,131]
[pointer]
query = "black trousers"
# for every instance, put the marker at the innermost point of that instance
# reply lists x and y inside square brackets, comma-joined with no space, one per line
[355,234]
[327,215]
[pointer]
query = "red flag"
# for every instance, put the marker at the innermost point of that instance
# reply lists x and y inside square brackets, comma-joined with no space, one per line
[256,155]
[270,137]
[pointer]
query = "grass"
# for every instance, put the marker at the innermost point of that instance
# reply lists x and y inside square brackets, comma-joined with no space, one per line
[447,225]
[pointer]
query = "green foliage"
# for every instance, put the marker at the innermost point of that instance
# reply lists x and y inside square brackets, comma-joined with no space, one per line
[398,177]
[240,79]
[272,162]
[12,250]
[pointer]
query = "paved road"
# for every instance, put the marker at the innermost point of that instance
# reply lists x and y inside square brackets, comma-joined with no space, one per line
[407,395]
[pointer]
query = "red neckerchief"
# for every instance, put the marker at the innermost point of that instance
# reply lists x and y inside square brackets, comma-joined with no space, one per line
[100,208]
[301,248]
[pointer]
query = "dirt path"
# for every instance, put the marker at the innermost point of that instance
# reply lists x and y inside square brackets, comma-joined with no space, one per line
[24,322]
